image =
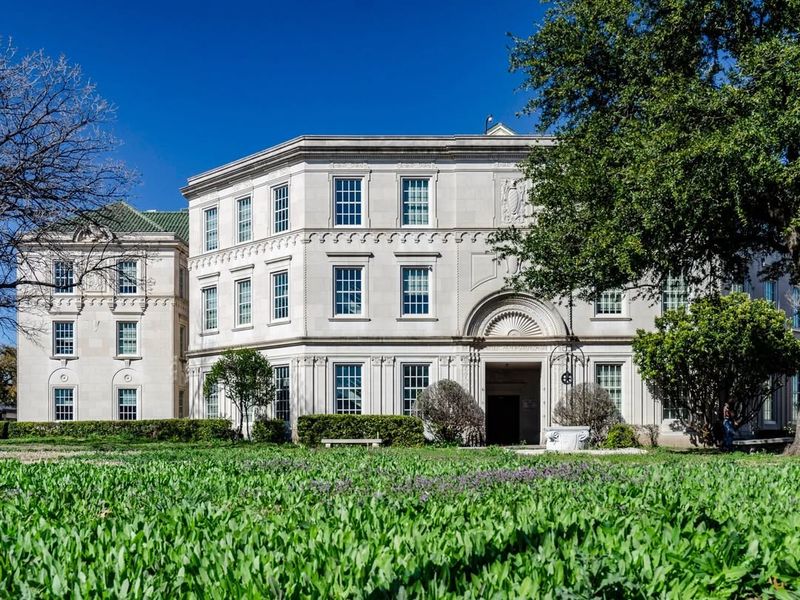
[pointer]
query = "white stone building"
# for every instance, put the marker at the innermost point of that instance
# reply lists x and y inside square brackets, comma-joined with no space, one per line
[113,347]
[361,267]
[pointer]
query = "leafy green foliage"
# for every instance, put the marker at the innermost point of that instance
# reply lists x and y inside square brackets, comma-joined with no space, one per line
[8,375]
[621,435]
[587,404]
[270,430]
[258,521]
[678,137]
[185,430]
[451,414]
[394,430]
[726,349]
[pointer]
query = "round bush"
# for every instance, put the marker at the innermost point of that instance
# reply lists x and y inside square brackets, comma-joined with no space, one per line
[621,435]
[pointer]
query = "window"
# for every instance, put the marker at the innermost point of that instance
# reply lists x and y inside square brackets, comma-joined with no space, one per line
[63,277]
[415,202]
[609,377]
[796,307]
[244,313]
[183,276]
[416,291]
[212,402]
[181,395]
[737,287]
[415,379]
[280,295]
[126,338]
[347,201]
[609,303]
[348,390]
[64,404]
[126,277]
[210,229]
[126,398]
[768,408]
[675,294]
[771,292]
[182,340]
[244,218]
[63,338]
[209,308]
[347,294]
[672,412]
[795,412]
[281,199]
[282,393]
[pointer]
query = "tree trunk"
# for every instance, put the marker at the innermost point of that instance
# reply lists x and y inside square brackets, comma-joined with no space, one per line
[794,447]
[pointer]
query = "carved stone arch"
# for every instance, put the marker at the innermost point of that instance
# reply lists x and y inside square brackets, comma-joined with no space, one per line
[63,377]
[510,314]
[126,378]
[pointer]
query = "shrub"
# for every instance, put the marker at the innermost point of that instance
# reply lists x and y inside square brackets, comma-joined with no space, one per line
[184,430]
[270,430]
[652,431]
[451,413]
[587,404]
[394,430]
[621,435]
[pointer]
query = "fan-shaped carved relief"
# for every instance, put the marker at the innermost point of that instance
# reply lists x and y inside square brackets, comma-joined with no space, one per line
[512,324]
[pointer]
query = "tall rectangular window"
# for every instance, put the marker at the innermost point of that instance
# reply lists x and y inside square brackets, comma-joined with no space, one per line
[181,396]
[280,295]
[281,213]
[416,208]
[210,233]
[244,219]
[212,402]
[347,201]
[795,412]
[609,302]
[796,307]
[63,338]
[347,290]
[675,294]
[64,399]
[416,290]
[609,377]
[415,379]
[244,312]
[282,393]
[182,340]
[670,411]
[210,308]
[63,277]
[183,275]
[771,292]
[127,276]
[348,389]
[127,343]
[127,404]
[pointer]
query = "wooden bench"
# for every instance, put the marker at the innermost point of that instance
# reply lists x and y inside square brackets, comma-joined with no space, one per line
[353,442]
[754,443]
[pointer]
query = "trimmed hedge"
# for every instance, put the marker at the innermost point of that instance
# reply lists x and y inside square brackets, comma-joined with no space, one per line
[184,430]
[394,430]
[270,430]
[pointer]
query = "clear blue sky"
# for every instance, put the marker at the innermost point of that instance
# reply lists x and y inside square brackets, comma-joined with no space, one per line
[198,84]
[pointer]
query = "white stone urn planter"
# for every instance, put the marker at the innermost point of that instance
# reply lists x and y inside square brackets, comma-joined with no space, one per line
[561,438]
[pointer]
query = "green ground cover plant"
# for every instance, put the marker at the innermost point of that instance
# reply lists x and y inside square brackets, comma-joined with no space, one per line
[270,521]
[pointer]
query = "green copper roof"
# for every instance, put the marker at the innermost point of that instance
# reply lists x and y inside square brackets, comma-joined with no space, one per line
[121,217]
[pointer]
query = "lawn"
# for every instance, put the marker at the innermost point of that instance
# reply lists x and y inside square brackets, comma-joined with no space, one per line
[167,520]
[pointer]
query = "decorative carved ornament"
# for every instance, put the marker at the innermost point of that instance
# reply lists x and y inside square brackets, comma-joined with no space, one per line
[513,323]
[514,205]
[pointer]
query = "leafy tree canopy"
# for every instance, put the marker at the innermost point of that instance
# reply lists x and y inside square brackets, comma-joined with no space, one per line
[726,349]
[678,136]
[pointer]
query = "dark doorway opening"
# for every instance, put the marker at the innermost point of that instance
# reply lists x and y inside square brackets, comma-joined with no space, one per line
[502,420]
[512,403]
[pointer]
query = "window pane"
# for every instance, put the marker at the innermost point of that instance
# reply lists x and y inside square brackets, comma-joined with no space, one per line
[796,307]
[211,239]
[281,195]
[348,201]
[415,379]
[348,389]
[282,393]
[609,377]
[212,402]
[244,212]
[415,202]
[64,404]
[609,303]
[127,404]
[63,277]
[243,302]
[347,299]
[675,294]
[181,394]
[771,292]
[126,277]
[210,308]
[280,295]
[415,291]
[63,338]
[126,338]
[795,399]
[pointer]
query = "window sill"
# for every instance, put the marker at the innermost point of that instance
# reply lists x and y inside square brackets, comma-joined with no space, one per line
[127,357]
[209,332]
[64,357]
[242,327]
[611,318]
[280,322]
[341,318]
[423,319]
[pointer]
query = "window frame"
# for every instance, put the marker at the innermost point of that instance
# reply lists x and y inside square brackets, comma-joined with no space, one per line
[363,183]
[74,340]
[337,409]
[238,221]
[237,304]
[206,230]
[274,203]
[685,293]
[428,269]
[120,286]
[136,406]
[279,410]
[429,189]
[206,397]
[274,297]
[771,284]
[118,328]
[74,401]
[63,290]
[361,268]
[405,408]
[204,308]
[612,363]
[598,302]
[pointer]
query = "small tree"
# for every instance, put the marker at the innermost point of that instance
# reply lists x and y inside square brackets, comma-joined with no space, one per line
[726,349]
[587,404]
[246,377]
[8,375]
[451,413]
